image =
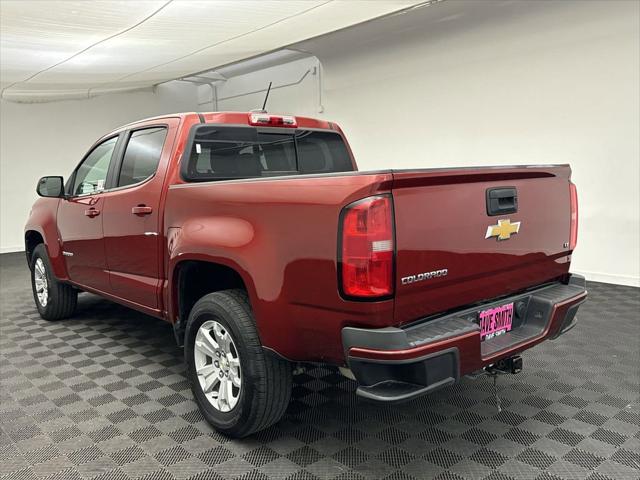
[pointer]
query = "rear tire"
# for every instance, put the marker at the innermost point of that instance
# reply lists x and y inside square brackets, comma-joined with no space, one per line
[260,384]
[55,300]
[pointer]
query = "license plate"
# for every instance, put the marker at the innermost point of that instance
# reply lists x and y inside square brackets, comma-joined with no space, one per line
[496,321]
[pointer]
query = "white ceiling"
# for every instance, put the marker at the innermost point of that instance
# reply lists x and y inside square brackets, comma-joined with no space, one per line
[56,49]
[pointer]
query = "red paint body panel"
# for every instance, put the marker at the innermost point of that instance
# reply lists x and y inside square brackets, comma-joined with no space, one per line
[133,242]
[43,220]
[281,236]
[83,235]
[441,220]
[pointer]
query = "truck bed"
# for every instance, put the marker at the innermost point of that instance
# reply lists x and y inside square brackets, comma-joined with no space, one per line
[281,234]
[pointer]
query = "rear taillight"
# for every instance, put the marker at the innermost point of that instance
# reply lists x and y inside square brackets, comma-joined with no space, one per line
[367,248]
[573,234]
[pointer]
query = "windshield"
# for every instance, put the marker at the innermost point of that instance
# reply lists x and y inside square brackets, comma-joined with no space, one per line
[224,153]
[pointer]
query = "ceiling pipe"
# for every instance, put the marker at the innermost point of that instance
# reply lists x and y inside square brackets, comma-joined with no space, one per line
[276,87]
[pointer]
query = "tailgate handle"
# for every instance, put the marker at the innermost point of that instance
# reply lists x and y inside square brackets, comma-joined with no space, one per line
[502,200]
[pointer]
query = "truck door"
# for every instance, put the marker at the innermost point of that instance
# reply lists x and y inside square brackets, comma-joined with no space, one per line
[132,213]
[80,218]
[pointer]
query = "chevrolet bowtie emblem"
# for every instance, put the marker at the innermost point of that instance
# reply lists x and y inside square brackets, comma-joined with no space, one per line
[503,229]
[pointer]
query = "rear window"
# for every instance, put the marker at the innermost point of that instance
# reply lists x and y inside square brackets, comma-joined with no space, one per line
[226,153]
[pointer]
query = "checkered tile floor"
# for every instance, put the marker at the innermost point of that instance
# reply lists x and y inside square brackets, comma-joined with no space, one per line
[104,395]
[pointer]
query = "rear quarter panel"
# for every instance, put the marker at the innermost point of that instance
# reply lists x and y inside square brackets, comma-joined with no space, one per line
[280,235]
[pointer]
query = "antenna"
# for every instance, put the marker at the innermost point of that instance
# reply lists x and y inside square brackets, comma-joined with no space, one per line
[266,97]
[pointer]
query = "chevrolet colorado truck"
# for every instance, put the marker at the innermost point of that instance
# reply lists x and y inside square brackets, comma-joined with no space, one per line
[256,238]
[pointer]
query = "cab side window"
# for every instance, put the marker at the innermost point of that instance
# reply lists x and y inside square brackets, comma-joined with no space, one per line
[141,156]
[91,175]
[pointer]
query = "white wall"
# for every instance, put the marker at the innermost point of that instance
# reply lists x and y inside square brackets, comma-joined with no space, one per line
[483,83]
[50,138]
[303,98]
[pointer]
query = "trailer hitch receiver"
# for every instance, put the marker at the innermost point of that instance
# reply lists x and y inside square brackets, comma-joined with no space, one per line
[506,365]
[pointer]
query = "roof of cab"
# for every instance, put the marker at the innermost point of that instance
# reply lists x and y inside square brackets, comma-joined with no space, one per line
[235,118]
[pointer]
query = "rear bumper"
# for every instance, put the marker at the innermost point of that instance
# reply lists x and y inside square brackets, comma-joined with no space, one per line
[394,364]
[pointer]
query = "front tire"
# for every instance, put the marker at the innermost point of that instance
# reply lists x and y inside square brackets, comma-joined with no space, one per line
[55,300]
[239,389]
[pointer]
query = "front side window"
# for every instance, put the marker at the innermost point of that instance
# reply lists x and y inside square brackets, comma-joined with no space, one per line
[91,175]
[225,153]
[142,155]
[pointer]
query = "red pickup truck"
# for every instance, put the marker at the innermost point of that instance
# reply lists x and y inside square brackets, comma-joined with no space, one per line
[256,238]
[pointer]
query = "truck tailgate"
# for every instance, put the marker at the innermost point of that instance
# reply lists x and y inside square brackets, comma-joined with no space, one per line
[444,258]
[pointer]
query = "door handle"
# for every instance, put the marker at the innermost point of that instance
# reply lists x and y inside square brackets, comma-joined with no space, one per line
[141,210]
[92,212]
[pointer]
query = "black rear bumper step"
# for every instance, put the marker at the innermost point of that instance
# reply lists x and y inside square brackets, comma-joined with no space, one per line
[391,379]
[404,380]
[398,391]
[535,315]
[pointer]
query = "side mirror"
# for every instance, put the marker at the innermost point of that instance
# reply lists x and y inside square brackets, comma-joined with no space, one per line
[50,187]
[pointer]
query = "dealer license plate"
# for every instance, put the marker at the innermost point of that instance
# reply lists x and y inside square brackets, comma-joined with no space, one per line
[496,321]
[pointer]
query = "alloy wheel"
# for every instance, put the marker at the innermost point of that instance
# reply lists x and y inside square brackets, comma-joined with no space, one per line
[41,282]
[217,364]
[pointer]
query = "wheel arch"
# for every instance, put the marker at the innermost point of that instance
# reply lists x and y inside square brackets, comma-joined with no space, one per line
[193,277]
[32,238]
